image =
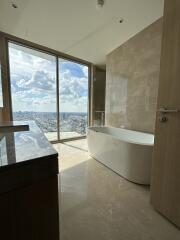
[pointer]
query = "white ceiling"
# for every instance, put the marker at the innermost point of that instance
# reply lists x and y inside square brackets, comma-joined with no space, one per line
[77,27]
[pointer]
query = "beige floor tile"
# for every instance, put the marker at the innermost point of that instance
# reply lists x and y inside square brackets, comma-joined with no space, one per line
[97,204]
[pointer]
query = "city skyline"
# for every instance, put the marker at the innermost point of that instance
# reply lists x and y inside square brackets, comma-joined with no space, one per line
[69,122]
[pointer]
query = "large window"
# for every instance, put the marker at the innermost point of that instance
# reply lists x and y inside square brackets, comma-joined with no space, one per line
[33,87]
[73,95]
[35,77]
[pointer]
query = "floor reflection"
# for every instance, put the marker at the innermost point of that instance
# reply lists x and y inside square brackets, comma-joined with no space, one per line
[97,204]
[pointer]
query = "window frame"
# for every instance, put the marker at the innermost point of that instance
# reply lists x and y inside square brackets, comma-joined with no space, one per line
[5,39]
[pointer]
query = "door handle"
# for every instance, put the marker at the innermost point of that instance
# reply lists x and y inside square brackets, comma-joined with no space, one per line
[165,110]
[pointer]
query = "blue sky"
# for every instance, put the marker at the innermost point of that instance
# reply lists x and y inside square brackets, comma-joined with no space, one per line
[33,82]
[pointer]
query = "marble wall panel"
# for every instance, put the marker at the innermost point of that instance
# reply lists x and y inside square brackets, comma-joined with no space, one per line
[132,76]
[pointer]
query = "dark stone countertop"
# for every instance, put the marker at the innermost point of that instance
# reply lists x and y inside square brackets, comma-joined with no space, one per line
[25,156]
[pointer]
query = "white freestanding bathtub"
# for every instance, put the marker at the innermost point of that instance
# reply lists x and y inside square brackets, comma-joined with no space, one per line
[126,152]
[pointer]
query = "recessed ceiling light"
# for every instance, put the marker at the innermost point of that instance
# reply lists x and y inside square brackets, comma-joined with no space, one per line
[13,4]
[100,3]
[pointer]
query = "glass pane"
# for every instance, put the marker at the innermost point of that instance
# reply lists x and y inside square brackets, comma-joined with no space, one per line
[33,87]
[1,97]
[73,90]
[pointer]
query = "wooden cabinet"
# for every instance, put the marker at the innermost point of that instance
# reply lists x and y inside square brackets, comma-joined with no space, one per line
[28,186]
[31,213]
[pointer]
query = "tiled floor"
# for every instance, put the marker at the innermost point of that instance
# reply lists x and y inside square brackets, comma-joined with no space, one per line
[52,136]
[97,204]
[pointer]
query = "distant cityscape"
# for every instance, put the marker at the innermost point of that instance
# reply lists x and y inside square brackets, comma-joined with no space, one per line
[47,121]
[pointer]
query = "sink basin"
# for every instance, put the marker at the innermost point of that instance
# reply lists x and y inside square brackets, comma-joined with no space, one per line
[6,127]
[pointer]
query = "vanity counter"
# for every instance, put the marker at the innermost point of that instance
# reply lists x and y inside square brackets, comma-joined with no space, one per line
[20,147]
[28,185]
[25,157]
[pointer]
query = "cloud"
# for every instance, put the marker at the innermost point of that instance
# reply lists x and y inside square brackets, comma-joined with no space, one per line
[33,83]
[40,80]
[76,69]
[72,88]
[85,71]
[45,100]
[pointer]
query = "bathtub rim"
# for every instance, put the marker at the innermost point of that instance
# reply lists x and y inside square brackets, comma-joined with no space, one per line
[119,139]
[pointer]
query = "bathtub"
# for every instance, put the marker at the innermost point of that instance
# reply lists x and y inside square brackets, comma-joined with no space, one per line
[126,152]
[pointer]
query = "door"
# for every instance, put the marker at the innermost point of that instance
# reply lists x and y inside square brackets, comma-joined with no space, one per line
[165,188]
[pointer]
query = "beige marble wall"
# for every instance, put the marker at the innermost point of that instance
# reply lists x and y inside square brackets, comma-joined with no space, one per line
[132,76]
[99,85]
